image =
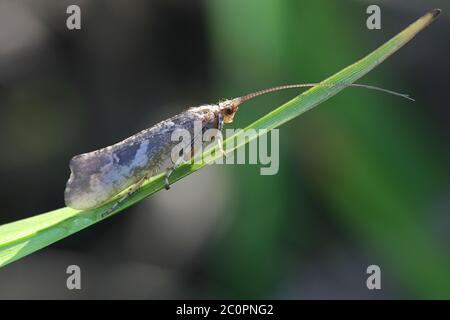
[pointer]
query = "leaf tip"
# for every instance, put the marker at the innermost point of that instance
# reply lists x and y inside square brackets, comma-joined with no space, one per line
[435,12]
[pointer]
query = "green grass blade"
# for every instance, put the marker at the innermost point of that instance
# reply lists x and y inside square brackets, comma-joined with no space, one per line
[20,238]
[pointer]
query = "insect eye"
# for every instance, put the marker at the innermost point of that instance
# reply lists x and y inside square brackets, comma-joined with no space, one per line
[229,111]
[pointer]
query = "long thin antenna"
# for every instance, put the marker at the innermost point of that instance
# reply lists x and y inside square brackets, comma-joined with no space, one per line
[239,100]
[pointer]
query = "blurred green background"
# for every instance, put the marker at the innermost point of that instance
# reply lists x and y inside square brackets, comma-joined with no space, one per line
[363,179]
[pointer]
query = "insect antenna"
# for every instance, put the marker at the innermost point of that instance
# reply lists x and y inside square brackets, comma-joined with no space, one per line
[239,100]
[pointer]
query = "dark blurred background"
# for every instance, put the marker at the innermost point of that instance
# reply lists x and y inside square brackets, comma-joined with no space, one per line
[364,178]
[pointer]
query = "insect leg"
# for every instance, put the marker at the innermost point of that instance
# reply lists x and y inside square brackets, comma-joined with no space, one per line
[132,190]
[219,127]
[169,172]
[179,161]
[219,122]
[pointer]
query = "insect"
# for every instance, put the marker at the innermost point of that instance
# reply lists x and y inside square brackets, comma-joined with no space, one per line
[96,177]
